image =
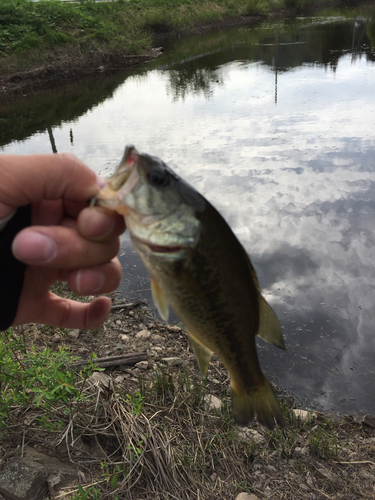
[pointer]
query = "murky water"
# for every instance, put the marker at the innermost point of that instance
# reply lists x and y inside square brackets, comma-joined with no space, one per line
[275,125]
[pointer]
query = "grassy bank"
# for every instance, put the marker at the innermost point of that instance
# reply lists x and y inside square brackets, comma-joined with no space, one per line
[67,35]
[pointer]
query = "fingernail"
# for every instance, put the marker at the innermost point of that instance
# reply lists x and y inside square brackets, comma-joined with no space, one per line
[101,182]
[89,281]
[33,247]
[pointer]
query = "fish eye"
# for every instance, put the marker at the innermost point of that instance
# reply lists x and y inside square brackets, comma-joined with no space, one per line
[158,177]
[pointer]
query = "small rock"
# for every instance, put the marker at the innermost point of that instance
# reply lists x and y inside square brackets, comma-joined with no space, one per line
[212,402]
[246,496]
[157,348]
[369,420]
[27,477]
[256,436]
[172,361]
[74,334]
[326,474]
[301,452]
[143,365]
[119,379]
[143,334]
[124,338]
[303,415]
[213,477]
[270,468]
[156,338]
[174,329]
[267,492]
[100,378]
[118,322]
[251,435]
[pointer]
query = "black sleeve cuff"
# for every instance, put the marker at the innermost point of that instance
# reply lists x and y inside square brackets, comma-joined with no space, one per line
[12,271]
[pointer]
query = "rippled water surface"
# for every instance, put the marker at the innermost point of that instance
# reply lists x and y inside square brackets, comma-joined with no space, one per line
[275,125]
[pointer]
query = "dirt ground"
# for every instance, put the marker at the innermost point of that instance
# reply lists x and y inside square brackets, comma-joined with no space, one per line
[203,454]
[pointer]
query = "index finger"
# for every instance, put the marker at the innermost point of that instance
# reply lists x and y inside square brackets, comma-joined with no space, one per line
[31,178]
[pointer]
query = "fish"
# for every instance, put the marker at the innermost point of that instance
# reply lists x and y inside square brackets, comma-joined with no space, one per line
[198,267]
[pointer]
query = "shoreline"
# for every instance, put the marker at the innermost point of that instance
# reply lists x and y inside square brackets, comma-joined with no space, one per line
[314,456]
[42,77]
[70,63]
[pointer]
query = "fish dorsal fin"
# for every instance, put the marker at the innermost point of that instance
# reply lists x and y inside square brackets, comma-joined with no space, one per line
[159,300]
[202,354]
[269,326]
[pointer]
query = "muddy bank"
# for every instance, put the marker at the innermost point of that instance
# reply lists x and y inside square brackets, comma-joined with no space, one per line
[67,69]
[30,81]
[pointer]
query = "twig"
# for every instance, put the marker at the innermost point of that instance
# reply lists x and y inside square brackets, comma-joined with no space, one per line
[356,462]
[127,305]
[322,493]
[121,359]
[23,442]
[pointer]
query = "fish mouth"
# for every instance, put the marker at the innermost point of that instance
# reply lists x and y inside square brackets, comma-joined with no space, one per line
[162,249]
[125,171]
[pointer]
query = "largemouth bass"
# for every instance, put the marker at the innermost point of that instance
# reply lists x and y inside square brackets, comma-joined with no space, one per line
[199,268]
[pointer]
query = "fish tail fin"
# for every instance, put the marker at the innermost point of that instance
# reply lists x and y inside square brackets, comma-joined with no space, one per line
[261,402]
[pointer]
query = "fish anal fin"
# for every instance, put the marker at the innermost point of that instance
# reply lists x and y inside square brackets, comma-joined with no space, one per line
[159,300]
[202,353]
[261,403]
[269,326]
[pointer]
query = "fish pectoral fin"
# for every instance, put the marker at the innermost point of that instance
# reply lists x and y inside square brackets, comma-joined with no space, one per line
[202,354]
[159,300]
[269,326]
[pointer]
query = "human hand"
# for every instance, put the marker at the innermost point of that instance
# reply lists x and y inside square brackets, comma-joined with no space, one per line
[67,240]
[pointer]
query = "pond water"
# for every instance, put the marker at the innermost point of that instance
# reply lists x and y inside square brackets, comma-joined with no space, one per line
[275,125]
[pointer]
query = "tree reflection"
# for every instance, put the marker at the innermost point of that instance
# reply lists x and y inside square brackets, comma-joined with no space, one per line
[192,80]
[195,67]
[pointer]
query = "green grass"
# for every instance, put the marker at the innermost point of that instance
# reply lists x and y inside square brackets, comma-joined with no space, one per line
[68,34]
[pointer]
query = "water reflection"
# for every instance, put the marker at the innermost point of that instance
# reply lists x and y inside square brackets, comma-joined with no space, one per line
[274,124]
[314,42]
[31,114]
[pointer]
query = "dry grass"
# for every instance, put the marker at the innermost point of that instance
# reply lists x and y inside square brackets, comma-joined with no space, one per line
[150,434]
